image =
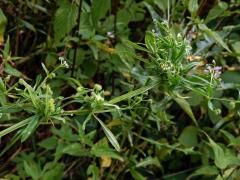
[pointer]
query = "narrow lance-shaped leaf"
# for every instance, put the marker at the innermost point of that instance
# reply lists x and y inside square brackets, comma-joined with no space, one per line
[214,35]
[133,93]
[32,125]
[216,11]
[109,135]
[15,126]
[186,107]
[3,23]
[193,7]
[150,41]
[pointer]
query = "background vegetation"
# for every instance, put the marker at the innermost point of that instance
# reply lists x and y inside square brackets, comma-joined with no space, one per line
[119,89]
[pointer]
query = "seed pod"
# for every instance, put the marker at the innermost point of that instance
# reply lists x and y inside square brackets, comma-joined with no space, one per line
[51,105]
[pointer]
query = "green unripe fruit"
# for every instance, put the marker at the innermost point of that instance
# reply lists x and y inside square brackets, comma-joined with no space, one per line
[52,75]
[97,87]
[218,111]
[21,81]
[80,89]
[232,105]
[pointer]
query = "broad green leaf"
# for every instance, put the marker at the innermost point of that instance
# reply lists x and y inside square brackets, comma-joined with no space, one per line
[188,137]
[235,142]
[230,173]
[218,154]
[216,11]
[222,157]
[89,68]
[55,171]
[193,7]
[65,133]
[75,149]
[187,108]
[231,77]
[205,170]
[99,9]
[32,169]
[100,150]
[12,71]
[64,19]
[195,98]
[109,135]
[87,29]
[49,143]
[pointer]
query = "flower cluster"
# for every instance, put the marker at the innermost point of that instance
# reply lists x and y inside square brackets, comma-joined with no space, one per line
[215,71]
[93,97]
[63,62]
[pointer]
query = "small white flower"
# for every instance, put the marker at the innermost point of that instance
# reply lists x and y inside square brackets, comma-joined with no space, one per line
[165,22]
[179,36]
[110,34]
[99,98]
[63,62]
[61,59]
